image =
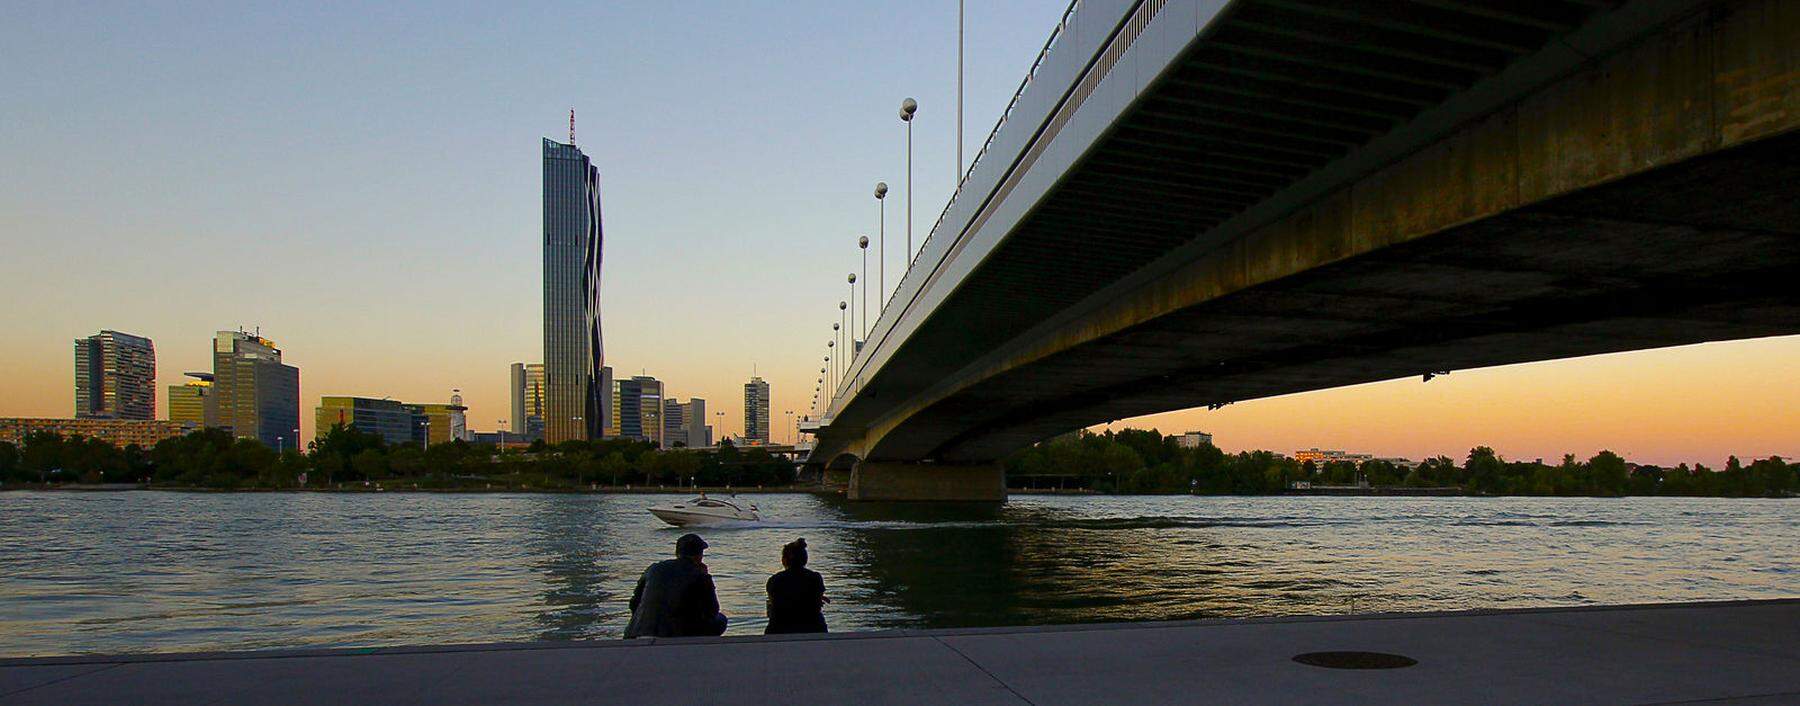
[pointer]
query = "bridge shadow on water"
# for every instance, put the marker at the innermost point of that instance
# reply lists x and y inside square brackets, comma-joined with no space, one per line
[943,565]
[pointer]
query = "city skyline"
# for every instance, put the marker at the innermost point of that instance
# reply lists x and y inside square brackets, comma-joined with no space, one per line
[768,199]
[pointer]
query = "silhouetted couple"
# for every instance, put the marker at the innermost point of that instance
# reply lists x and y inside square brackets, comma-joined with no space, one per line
[676,597]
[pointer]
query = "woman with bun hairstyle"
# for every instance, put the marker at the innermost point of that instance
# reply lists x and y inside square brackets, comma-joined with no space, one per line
[796,595]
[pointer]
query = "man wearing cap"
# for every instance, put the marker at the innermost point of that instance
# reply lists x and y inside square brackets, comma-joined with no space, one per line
[675,597]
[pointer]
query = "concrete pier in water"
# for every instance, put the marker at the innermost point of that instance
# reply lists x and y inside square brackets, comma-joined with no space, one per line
[1717,653]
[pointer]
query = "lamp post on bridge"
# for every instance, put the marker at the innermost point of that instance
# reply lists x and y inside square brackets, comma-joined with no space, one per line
[881,241]
[908,108]
[862,243]
[851,332]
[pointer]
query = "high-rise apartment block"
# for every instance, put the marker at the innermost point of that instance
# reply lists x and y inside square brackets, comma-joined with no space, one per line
[258,396]
[756,411]
[115,377]
[575,401]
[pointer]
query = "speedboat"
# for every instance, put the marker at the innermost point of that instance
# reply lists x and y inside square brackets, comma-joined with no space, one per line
[704,510]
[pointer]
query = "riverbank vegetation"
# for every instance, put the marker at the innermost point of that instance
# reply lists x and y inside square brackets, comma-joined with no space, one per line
[1128,461]
[345,457]
[1140,461]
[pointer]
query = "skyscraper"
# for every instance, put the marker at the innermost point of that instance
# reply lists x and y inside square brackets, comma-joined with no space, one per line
[115,377]
[641,409]
[527,384]
[258,396]
[756,411]
[574,400]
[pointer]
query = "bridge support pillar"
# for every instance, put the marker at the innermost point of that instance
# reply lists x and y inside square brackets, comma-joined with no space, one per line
[887,480]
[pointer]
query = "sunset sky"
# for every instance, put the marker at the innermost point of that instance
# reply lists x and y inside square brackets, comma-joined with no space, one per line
[363,184]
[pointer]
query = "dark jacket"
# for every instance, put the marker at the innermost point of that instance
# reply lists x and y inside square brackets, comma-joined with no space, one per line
[796,602]
[674,598]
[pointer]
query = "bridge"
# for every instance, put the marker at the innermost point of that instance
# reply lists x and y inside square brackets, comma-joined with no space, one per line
[1195,202]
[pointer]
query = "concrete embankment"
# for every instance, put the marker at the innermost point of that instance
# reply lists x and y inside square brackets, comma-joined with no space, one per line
[1717,653]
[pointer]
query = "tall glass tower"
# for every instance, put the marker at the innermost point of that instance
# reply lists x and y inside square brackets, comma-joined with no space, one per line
[575,404]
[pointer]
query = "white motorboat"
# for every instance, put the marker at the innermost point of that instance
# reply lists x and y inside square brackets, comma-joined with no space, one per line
[704,510]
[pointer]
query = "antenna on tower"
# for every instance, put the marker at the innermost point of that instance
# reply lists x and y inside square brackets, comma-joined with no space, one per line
[571,126]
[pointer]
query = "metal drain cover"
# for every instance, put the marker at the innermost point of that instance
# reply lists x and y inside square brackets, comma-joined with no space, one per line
[1355,660]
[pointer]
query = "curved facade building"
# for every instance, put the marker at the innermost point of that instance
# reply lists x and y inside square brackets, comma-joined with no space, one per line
[575,403]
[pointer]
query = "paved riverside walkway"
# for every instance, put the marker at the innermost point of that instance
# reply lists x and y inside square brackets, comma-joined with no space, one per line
[1732,653]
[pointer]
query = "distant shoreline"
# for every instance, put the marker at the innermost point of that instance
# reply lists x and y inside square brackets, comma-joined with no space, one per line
[601,490]
[794,489]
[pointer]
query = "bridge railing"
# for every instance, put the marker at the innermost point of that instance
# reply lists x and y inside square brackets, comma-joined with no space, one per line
[1037,64]
[915,279]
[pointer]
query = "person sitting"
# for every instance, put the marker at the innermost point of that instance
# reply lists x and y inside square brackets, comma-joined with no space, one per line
[676,597]
[796,595]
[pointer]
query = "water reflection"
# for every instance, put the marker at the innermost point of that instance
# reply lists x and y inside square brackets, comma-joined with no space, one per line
[573,550]
[125,572]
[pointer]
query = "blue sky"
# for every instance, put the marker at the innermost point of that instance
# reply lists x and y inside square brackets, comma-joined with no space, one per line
[362,181]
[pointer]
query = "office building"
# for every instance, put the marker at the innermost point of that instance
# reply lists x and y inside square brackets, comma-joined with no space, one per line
[684,424]
[1194,440]
[574,399]
[392,420]
[438,423]
[115,377]
[396,422]
[118,432]
[674,431]
[608,403]
[641,408]
[756,412]
[527,384]
[193,402]
[258,396]
[611,429]
[1323,456]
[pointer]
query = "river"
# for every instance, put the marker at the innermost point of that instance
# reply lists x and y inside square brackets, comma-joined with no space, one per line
[163,571]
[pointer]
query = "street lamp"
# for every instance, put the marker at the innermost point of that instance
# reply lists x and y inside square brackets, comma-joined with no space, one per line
[862,243]
[851,332]
[501,425]
[908,108]
[721,415]
[881,240]
[843,310]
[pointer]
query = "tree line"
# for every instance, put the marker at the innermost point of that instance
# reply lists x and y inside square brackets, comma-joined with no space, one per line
[1127,461]
[1145,461]
[347,458]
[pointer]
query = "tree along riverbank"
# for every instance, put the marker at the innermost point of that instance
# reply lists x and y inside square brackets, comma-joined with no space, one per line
[1145,461]
[1131,461]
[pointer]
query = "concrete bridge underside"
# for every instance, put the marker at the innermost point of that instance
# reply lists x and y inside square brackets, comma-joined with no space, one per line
[1643,198]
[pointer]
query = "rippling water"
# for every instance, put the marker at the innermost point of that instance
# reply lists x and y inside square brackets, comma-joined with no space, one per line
[153,571]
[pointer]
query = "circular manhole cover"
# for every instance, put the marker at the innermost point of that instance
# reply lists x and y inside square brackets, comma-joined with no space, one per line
[1355,660]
